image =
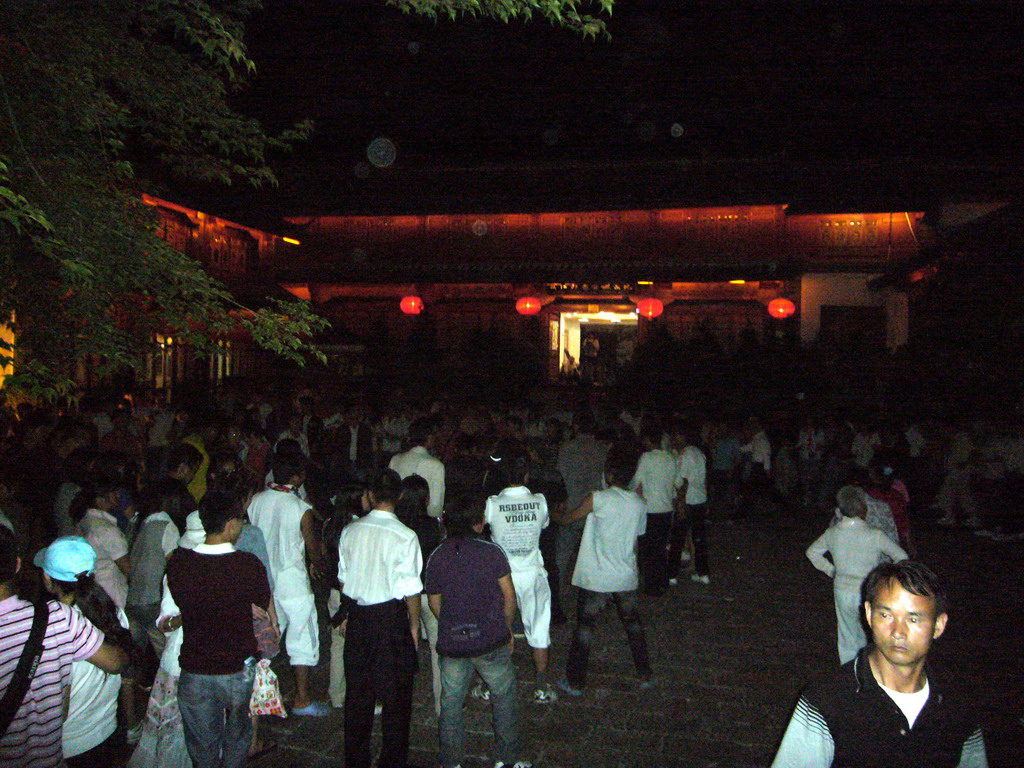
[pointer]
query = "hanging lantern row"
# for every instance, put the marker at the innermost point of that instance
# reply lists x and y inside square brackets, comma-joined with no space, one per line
[781,308]
[649,308]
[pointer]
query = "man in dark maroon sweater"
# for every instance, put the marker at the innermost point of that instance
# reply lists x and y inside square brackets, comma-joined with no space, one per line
[215,587]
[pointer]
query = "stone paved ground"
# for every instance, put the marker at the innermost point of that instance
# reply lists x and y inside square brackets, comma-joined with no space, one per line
[730,659]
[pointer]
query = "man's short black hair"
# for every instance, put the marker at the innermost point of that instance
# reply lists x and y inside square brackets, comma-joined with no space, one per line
[420,431]
[620,465]
[914,576]
[183,453]
[461,515]
[287,467]
[511,462]
[386,487]
[218,507]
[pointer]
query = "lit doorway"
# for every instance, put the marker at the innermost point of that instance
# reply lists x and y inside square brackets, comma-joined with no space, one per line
[595,346]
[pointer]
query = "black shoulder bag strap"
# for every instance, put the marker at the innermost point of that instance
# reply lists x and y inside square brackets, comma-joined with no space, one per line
[26,669]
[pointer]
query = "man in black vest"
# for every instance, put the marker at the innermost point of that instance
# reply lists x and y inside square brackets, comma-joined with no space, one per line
[888,707]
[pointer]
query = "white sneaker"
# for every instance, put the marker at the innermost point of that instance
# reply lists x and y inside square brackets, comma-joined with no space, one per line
[946,520]
[519,764]
[700,579]
[377,709]
[481,691]
[673,582]
[545,695]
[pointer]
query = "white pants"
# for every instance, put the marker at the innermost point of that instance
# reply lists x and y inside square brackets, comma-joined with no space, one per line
[848,618]
[336,684]
[533,593]
[296,615]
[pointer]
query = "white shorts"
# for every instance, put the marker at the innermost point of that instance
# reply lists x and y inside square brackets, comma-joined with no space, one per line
[296,615]
[533,593]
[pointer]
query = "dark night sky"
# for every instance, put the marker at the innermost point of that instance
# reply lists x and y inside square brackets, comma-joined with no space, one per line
[859,104]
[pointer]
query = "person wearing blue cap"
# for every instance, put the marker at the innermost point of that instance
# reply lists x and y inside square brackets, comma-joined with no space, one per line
[31,729]
[89,739]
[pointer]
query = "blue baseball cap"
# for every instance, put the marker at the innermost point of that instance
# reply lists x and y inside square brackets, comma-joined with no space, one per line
[67,557]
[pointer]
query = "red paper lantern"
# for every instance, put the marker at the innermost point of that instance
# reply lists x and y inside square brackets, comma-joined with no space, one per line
[650,308]
[781,308]
[528,305]
[412,305]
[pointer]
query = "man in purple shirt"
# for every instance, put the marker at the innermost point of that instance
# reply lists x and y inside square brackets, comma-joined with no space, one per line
[469,586]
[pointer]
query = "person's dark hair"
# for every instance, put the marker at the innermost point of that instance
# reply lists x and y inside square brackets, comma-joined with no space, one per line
[412,503]
[75,468]
[170,496]
[8,555]
[914,576]
[386,487]
[95,604]
[222,464]
[183,453]
[620,465]
[287,466]
[115,468]
[651,435]
[86,497]
[288,448]
[420,431]
[461,515]
[512,464]
[220,505]
[348,500]
[585,424]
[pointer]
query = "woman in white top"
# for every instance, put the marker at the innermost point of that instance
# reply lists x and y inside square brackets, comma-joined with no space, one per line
[89,738]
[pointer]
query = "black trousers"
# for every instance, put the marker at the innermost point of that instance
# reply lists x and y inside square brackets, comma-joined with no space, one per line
[380,665]
[695,522]
[653,557]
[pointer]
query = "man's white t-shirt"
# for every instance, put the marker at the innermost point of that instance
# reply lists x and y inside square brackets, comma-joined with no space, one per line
[693,469]
[655,480]
[279,515]
[910,704]
[607,558]
[517,518]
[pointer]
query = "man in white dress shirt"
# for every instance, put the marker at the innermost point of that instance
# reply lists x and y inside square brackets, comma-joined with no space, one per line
[418,461]
[379,565]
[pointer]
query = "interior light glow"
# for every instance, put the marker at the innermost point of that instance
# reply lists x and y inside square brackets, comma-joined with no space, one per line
[291,240]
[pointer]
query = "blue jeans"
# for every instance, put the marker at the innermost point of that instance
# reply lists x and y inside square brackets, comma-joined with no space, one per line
[215,716]
[499,673]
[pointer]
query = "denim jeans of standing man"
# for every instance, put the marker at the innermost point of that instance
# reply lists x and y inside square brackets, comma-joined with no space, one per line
[499,674]
[215,716]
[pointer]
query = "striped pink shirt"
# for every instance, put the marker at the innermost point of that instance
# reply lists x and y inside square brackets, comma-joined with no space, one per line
[34,738]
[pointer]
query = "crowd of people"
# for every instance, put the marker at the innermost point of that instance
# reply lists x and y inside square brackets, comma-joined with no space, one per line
[175,551]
